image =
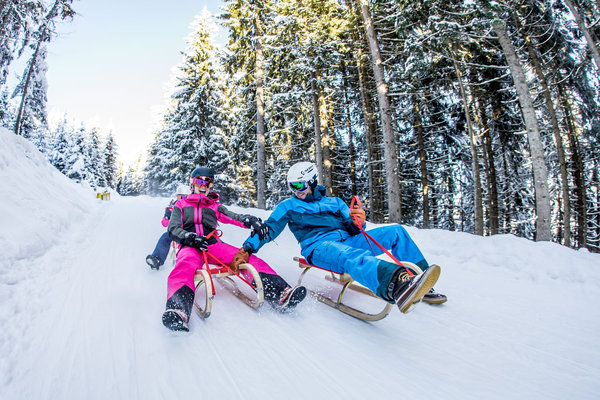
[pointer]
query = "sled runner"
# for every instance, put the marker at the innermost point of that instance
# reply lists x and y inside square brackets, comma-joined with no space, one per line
[346,281]
[173,253]
[205,287]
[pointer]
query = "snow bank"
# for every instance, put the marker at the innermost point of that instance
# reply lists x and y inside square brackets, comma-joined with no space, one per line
[37,202]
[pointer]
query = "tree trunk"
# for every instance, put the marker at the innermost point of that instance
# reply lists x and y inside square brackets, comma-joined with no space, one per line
[326,142]
[31,67]
[391,158]
[422,164]
[538,161]
[588,36]
[374,162]
[560,150]
[478,206]
[317,127]
[261,158]
[577,169]
[492,177]
[350,132]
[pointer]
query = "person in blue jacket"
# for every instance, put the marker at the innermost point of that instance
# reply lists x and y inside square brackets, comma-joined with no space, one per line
[330,238]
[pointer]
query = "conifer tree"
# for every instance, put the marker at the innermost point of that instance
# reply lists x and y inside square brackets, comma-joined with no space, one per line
[110,161]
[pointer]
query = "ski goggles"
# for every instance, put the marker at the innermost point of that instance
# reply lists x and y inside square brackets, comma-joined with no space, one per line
[202,181]
[299,186]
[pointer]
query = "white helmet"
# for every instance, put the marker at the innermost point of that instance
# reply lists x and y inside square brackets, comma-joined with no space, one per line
[303,171]
[182,189]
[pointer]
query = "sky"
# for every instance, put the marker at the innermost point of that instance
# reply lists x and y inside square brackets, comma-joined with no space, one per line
[110,66]
[80,313]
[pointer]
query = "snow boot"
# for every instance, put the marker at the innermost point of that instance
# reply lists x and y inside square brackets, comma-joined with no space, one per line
[153,261]
[433,297]
[175,320]
[290,297]
[411,289]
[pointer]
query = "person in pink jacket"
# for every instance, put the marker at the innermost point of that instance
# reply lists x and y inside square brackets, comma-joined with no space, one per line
[192,220]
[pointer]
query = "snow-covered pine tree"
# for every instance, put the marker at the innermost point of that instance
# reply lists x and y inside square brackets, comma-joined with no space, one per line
[59,151]
[94,160]
[110,161]
[76,156]
[31,118]
[192,132]
[18,21]
[7,110]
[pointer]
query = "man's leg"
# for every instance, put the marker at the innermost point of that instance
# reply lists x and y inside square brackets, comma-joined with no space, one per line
[396,239]
[360,263]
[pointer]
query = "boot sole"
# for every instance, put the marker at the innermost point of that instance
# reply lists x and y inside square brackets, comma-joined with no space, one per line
[434,302]
[426,281]
[174,322]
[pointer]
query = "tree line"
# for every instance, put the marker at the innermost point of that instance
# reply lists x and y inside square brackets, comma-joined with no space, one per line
[476,116]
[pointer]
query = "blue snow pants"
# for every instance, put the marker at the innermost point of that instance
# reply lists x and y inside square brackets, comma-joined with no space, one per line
[162,247]
[355,257]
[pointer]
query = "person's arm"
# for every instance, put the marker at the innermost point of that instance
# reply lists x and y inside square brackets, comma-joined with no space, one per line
[176,231]
[348,221]
[275,225]
[166,216]
[229,217]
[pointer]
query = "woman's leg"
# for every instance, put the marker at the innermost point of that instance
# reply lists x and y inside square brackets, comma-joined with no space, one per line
[180,285]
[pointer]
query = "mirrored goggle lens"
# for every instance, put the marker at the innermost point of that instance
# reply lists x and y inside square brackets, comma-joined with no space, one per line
[298,186]
[202,181]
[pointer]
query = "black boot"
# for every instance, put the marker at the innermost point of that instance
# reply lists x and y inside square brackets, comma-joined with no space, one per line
[153,261]
[175,320]
[433,297]
[410,289]
[179,308]
[290,298]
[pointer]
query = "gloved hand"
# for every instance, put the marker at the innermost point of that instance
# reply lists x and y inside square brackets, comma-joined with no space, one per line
[240,257]
[358,216]
[257,226]
[193,240]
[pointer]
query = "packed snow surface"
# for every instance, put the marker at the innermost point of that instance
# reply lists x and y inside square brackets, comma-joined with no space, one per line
[80,313]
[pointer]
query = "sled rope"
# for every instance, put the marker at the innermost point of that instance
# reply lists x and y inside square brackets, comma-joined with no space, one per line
[368,237]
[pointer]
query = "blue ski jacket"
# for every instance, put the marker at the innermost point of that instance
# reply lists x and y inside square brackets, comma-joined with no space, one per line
[313,220]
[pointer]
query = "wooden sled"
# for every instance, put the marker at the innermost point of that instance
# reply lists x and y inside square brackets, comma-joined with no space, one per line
[205,288]
[348,283]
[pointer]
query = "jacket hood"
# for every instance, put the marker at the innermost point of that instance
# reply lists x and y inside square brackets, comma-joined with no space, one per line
[195,198]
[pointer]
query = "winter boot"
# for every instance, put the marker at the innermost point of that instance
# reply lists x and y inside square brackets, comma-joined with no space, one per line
[410,289]
[290,297]
[175,320]
[153,261]
[433,297]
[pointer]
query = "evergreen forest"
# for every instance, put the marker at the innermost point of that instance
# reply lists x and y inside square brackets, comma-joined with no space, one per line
[464,115]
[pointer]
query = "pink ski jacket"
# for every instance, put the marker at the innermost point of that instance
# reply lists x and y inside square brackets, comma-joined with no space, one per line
[201,214]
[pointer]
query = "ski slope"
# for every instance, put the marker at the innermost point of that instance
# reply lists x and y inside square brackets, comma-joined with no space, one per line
[81,313]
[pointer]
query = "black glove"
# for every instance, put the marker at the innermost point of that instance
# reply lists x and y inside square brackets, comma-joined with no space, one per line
[193,240]
[257,226]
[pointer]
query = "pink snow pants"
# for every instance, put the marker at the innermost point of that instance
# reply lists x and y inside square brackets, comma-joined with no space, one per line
[190,259]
